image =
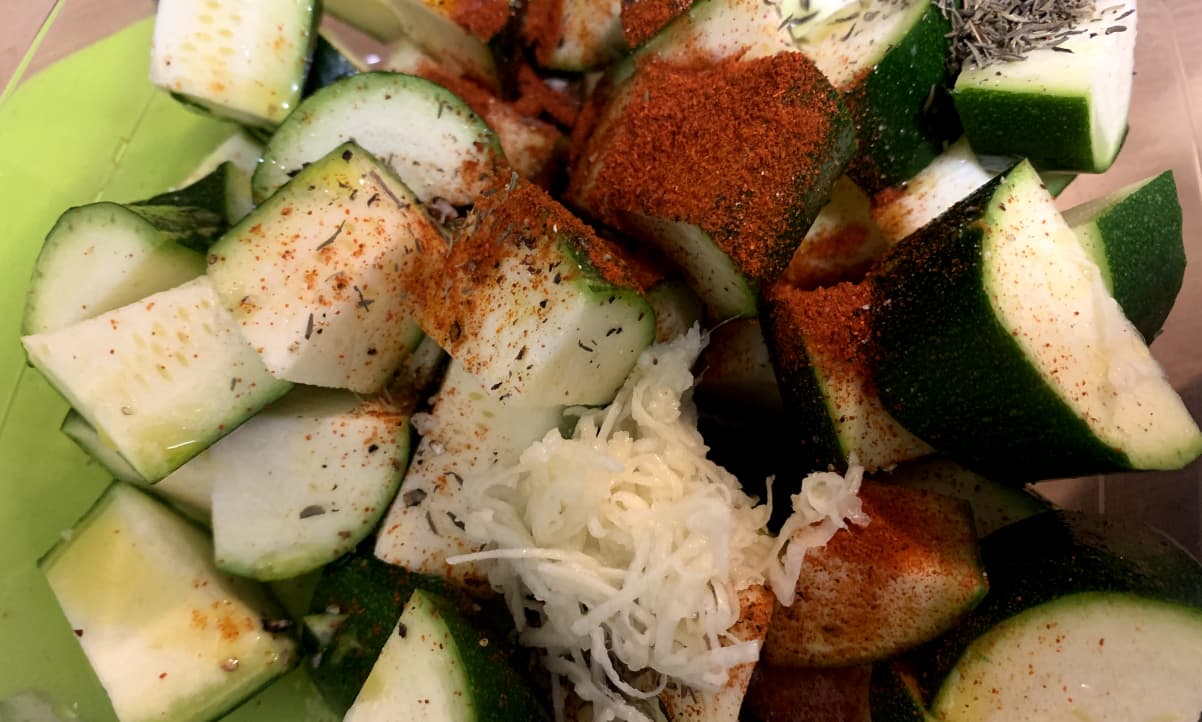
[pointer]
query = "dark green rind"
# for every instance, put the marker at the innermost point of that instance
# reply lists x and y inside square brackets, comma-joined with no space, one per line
[1002,123]
[213,193]
[802,391]
[994,504]
[902,112]
[894,698]
[327,65]
[498,690]
[944,362]
[372,594]
[1057,554]
[1146,260]
[190,227]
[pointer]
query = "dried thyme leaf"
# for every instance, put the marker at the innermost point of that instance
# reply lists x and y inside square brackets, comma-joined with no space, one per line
[991,31]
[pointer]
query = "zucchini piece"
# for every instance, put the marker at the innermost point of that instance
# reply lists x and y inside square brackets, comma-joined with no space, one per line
[535,305]
[950,178]
[1062,108]
[183,488]
[730,212]
[435,666]
[889,57]
[676,308]
[796,694]
[871,592]
[224,192]
[329,65]
[243,60]
[468,431]
[1088,618]
[445,152]
[168,635]
[375,18]
[457,34]
[820,344]
[997,342]
[736,369]
[160,379]
[574,35]
[100,257]
[241,149]
[841,245]
[1056,181]
[893,695]
[304,481]
[994,504]
[1134,235]
[318,275]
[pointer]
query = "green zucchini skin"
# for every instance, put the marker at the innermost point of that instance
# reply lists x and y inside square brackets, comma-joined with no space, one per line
[327,65]
[1055,555]
[902,110]
[979,109]
[934,316]
[224,193]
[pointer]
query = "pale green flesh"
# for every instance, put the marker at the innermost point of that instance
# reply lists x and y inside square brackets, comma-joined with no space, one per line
[1050,297]
[844,47]
[555,336]
[471,432]
[948,179]
[100,257]
[187,490]
[159,379]
[849,211]
[157,621]
[1093,657]
[242,59]
[445,151]
[240,149]
[374,17]
[712,275]
[1098,73]
[867,432]
[312,274]
[418,676]
[303,482]
[425,23]
[590,35]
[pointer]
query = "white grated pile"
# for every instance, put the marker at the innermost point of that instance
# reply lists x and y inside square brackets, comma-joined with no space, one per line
[628,547]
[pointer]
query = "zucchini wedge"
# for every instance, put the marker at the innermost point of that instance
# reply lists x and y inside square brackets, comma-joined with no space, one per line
[1134,235]
[436,666]
[1064,108]
[1088,617]
[319,275]
[303,482]
[168,635]
[893,695]
[445,152]
[574,35]
[160,379]
[535,305]
[224,191]
[243,60]
[98,258]
[797,694]
[877,590]
[841,245]
[997,342]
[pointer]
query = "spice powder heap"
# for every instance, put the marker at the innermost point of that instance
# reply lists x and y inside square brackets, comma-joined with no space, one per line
[734,148]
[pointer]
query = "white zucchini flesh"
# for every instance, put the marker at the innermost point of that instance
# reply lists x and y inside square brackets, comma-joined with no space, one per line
[1094,67]
[445,150]
[427,23]
[1101,657]
[169,636]
[590,35]
[160,379]
[1049,294]
[951,177]
[303,482]
[242,59]
[841,244]
[316,275]
[100,257]
[468,431]
[845,46]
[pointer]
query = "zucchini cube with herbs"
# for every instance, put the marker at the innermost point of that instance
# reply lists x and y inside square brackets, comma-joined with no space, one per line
[169,636]
[997,342]
[318,276]
[535,305]
[159,379]
[1063,103]
[244,60]
[746,154]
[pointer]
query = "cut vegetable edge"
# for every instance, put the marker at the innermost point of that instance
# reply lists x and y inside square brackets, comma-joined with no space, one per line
[131,559]
[448,151]
[998,343]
